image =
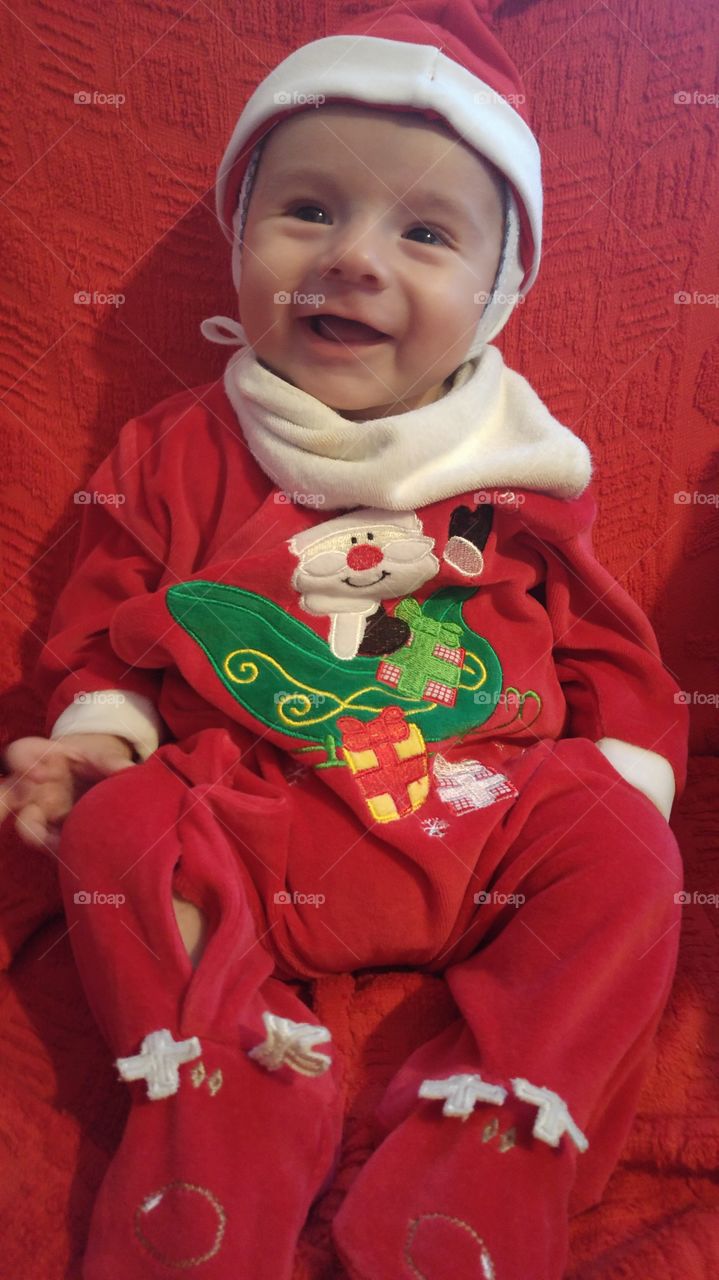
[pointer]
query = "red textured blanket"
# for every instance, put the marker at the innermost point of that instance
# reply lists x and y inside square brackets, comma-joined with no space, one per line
[619,336]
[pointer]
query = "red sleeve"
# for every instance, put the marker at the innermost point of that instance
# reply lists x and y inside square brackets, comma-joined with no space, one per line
[121,553]
[606,653]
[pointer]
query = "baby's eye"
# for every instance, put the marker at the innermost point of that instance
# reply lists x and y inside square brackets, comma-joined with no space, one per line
[302,208]
[428,231]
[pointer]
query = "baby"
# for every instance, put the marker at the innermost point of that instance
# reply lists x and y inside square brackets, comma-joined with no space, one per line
[339,684]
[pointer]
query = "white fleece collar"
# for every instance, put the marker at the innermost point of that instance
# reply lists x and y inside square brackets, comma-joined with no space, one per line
[490,430]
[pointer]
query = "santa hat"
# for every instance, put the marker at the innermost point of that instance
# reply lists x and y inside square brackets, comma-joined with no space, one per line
[439,59]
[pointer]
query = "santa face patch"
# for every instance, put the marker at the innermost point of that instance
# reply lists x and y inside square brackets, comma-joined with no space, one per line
[348,565]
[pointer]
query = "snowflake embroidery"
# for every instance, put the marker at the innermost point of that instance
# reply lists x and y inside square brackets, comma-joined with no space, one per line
[434,826]
[467,785]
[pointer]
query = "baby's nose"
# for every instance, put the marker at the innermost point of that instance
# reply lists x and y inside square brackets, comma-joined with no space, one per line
[363,556]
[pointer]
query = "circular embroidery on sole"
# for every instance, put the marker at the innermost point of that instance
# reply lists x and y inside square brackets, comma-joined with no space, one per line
[181,1224]
[435,1238]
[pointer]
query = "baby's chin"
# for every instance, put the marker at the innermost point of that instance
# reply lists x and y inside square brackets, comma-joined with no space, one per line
[352,405]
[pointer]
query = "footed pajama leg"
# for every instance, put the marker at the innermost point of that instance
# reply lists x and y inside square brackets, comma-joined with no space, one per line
[224,1151]
[514,1116]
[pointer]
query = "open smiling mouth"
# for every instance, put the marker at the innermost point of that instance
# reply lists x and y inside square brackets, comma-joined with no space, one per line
[337,329]
[359,585]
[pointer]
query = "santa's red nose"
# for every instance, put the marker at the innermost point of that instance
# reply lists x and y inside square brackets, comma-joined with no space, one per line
[363,556]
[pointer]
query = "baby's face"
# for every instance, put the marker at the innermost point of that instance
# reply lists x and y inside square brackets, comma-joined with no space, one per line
[348,206]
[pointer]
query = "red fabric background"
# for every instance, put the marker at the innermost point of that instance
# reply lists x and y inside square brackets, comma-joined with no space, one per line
[114,199]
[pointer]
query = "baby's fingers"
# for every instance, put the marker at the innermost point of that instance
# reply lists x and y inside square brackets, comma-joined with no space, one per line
[32,825]
[54,799]
[38,757]
[39,809]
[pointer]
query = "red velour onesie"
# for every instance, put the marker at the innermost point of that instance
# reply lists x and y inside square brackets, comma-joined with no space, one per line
[381,751]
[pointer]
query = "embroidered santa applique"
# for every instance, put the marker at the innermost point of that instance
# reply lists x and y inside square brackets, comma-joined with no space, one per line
[349,564]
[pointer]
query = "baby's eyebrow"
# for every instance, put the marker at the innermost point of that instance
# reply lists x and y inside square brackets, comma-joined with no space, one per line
[282,176]
[430,199]
[433,200]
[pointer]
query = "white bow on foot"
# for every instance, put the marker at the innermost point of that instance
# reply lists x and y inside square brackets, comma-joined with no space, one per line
[290,1043]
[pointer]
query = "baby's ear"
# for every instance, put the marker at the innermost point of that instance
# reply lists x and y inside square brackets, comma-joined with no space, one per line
[474,526]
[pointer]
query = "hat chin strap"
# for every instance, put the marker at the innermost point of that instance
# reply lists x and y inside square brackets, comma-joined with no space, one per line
[505,293]
[236,247]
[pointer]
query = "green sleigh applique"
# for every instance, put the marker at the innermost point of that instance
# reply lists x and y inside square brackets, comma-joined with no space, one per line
[446,678]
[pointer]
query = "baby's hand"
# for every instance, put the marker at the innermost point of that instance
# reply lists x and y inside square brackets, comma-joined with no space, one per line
[48,775]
